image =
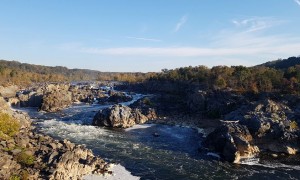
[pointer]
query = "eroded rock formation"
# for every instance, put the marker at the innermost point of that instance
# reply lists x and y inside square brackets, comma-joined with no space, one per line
[268,125]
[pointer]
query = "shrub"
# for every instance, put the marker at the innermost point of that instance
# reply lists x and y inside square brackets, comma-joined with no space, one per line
[14,177]
[25,175]
[294,125]
[25,159]
[8,126]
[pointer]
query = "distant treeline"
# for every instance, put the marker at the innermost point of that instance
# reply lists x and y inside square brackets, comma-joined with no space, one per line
[14,72]
[276,76]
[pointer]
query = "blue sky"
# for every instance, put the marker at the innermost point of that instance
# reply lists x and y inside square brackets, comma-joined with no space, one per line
[148,35]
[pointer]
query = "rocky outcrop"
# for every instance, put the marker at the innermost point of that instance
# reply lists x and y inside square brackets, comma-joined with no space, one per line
[85,94]
[30,155]
[118,97]
[233,141]
[56,98]
[271,125]
[119,116]
[146,106]
[9,91]
[213,104]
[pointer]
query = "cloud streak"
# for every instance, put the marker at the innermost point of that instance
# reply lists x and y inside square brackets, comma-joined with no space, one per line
[180,23]
[297,1]
[144,39]
[256,23]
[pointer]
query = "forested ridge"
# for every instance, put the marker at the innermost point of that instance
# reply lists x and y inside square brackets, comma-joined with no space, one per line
[14,72]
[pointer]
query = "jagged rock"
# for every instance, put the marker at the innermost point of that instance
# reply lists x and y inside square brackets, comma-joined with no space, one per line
[119,116]
[262,117]
[76,163]
[146,106]
[84,94]
[233,141]
[268,123]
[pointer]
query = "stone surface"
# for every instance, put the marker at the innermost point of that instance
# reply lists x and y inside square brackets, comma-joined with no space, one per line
[233,141]
[119,116]
[9,91]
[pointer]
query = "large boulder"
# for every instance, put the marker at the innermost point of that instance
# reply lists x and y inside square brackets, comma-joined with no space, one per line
[119,116]
[233,141]
[55,99]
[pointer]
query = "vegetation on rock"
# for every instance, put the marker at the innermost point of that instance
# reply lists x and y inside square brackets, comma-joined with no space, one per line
[25,159]
[8,126]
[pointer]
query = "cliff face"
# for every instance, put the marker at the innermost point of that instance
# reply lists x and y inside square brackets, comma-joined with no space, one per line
[26,154]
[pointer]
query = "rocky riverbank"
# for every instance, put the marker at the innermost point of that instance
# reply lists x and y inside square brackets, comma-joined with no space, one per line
[26,154]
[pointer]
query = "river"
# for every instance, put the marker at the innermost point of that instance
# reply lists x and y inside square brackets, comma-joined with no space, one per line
[172,155]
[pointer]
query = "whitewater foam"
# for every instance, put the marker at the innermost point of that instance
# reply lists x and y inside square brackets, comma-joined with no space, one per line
[119,173]
[139,126]
[71,129]
[256,162]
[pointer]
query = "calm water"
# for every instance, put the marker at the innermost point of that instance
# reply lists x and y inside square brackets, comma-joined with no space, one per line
[172,155]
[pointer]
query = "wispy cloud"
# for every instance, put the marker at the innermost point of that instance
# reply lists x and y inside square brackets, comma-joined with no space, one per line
[256,23]
[297,1]
[286,48]
[144,39]
[180,23]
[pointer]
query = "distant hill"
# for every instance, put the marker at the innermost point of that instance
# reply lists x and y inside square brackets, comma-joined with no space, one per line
[282,64]
[23,73]
[72,74]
